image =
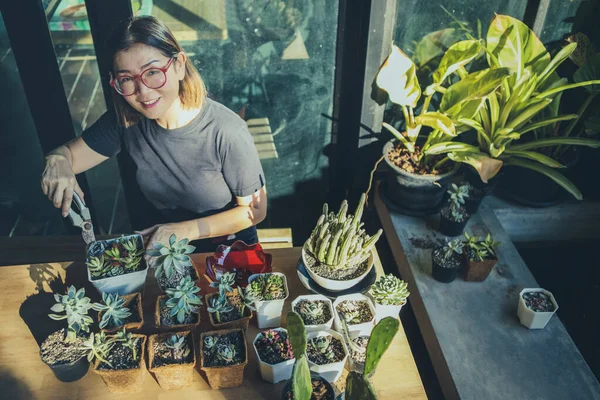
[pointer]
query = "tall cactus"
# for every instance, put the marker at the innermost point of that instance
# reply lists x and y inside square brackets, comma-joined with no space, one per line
[358,386]
[338,240]
[301,381]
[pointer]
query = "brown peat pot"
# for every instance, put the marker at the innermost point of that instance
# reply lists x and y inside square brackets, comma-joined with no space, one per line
[172,376]
[125,380]
[222,377]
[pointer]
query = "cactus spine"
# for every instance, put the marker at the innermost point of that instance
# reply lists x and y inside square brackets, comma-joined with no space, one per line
[301,381]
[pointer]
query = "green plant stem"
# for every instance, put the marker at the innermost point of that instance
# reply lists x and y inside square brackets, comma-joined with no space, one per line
[406,117]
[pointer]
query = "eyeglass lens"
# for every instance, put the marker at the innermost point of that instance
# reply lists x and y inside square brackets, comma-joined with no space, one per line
[153,78]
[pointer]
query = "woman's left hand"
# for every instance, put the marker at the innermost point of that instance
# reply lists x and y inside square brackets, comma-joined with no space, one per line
[161,233]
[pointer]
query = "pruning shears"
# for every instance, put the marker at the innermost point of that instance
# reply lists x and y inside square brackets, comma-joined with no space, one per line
[82,219]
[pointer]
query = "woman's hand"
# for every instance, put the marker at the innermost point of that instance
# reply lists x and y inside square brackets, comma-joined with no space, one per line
[58,182]
[162,233]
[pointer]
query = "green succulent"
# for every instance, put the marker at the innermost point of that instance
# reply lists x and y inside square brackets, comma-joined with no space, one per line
[390,291]
[267,287]
[178,346]
[113,253]
[218,305]
[127,340]
[322,345]
[97,266]
[481,249]
[225,284]
[313,309]
[171,257]
[247,299]
[131,246]
[75,306]
[210,341]
[183,299]
[226,352]
[97,346]
[114,310]
[349,312]
[451,247]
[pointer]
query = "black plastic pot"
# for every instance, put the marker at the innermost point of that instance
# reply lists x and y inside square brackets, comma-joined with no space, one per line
[288,387]
[70,372]
[450,227]
[474,200]
[445,272]
[415,194]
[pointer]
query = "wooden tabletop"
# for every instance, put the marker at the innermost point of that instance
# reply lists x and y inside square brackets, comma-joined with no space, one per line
[25,300]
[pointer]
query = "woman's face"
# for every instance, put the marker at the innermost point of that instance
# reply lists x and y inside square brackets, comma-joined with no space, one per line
[152,103]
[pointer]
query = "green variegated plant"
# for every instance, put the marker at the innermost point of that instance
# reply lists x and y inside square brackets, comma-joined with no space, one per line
[507,119]
[390,291]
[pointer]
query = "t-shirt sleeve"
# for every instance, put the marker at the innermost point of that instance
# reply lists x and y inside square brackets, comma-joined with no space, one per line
[104,136]
[239,159]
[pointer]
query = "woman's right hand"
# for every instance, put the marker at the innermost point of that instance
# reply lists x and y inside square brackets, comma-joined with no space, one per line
[58,182]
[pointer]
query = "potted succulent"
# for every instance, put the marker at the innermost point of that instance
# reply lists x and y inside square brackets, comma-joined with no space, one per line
[357,311]
[223,357]
[229,308]
[117,265]
[274,353]
[454,216]
[269,292]
[358,386]
[358,352]
[178,309]
[120,311]
[62,350]
[536,307]
[327,353]
[173,262]
[304,384]
[480,256]
[171,358]
[338,255]
[389,294]
[119,360]
[419,177]
[447,261]
[315,310]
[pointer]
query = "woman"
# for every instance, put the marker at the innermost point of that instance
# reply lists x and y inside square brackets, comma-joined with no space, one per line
[196,161]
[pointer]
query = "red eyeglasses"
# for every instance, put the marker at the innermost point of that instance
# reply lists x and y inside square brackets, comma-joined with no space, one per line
[153,78]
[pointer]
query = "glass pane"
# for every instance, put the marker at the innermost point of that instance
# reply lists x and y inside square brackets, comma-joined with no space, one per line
[24,210]
[560,17]
[74,49]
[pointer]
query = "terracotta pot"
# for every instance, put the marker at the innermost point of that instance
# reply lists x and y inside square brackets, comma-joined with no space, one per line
[224,377]
[241,323]
[172,376]
[133,300]
[175,327]
[478,271]
[125,380]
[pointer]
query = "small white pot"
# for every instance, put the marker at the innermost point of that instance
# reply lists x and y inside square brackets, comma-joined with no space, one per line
[530,318]
[268,312]
[313,297]
[331,371]
[382,311]
[274,373]
[331,284]
[356,330]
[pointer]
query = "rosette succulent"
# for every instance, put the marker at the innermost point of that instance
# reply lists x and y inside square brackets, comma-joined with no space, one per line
[267,287]
[75,306]
[171,257]
[114,310]
[390,291]
[183,299]
[178,346]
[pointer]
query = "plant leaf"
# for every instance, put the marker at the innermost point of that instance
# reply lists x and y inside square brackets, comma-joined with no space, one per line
[557,177]
[485,166]
[409,146]
[446,147]
[437,120]
[533,156]
[558,141]
[588,72]
[397,76]
[558,59]
[458,55]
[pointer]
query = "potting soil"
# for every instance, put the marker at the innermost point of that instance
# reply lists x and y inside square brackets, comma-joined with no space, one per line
[274,353]
[56,351]
[453,262]
[167,320]
[176,277]
[236,302]
[338,274]
[315,356]
[309,319]
[121,357]
[538,302]
[164,355]
[364,311]
[210,355]
[361,342]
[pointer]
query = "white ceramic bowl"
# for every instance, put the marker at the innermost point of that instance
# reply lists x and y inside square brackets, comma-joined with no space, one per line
[331,284]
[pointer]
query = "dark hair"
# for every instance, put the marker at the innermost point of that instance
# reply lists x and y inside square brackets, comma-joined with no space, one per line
[154,33]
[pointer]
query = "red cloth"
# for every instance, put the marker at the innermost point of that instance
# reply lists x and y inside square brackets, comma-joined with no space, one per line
[240,258]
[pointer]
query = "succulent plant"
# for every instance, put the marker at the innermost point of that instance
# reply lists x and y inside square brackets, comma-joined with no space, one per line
[225,284]
[114,310]
[131,246]
[75,306]
[210,341]
[301,380]
[123,255]
[98,266]
[349,312]
[218,305]
[183,299]
[226,352]
[267,287]
[171,257]
[338,240]
[458,194]
[323,345]
[358,386]
[313,309]
[97,346]
[127,340]
[274,344]
[178,346]
[390,291]
[481,249]
[452,247]
[247,299]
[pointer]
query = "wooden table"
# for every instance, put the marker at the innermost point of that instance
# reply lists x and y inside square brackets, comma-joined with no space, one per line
[25,300]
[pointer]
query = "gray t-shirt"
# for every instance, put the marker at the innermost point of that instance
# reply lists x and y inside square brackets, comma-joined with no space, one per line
[188,172]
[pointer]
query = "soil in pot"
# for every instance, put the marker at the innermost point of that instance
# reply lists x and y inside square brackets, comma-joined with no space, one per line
[172,367]
[319,356]
[445,270]
[239,310]
[121,357]
[176,277]
[359,357]
[538,302]
[338,274]
[310,319]
[162,355]
[135,321]
[276,350]
[65,359]
[409,162]
[453,224]
[355,311]
[125,374]
[321,389]
[166,320]
[235,338]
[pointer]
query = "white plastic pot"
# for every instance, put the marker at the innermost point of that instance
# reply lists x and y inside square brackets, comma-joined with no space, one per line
[530,318]
[123,284]
[268,313]
[331,371]
[314,297]
[331,284]
[355,330]
[382,311]
[274,373]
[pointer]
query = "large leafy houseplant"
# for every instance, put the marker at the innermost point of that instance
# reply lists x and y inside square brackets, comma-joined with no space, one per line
[510,111]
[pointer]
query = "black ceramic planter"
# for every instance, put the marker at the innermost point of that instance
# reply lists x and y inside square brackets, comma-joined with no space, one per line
[71,372]
[449,226]
[445,270]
